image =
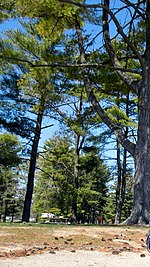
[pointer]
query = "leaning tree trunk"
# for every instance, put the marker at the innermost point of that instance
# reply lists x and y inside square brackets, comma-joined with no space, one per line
[32,166]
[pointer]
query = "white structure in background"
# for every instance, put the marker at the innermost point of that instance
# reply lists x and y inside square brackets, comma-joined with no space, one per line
[52,218]
[47,215]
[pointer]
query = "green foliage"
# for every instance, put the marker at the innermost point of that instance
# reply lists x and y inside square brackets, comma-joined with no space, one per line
[48,87]
[54,186]
[53,17]
[9,149]
[93,180]
[128,197]
[13,107]
[7,8]
[117,115]
[35,89]
[110,207]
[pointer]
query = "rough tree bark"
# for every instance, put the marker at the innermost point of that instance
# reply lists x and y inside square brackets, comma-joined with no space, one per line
[141,203]
[141,150]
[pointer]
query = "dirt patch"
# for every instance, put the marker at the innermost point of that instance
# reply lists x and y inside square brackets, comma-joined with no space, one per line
[17,241]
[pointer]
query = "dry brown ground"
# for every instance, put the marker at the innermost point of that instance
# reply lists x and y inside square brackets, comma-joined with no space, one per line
[22,240]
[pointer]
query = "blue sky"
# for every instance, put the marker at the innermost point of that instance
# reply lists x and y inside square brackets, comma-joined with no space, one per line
[13,24]
[46,133]
[8,24]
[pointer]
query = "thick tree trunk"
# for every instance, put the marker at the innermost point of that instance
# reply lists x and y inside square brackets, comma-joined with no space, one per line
[32,166]
[141,202]
[141,151]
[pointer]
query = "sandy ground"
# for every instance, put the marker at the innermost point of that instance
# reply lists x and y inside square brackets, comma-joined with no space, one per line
[79,259]
[73,247]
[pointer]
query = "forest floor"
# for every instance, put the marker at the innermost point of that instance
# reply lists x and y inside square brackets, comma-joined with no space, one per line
[20,240]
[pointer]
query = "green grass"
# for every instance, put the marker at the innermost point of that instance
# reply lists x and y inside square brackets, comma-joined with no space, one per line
[53,225]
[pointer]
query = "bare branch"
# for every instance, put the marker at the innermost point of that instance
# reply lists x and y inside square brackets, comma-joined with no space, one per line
[48,126]
[81,143]
[135,7]
[119,28]
[48,175]
[126,78]
[113,126]
[17,59]
[67,65]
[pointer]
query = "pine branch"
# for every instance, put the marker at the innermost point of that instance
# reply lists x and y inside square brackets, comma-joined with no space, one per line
[67,65]
[93,100]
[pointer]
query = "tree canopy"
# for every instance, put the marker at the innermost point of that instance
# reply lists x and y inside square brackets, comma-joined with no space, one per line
[101,54]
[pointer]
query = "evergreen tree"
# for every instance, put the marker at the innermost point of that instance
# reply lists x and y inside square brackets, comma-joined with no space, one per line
[70,14]
[38,88]
[13,115]
[93,187]
[55,182]
[10,159]
[54,186]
